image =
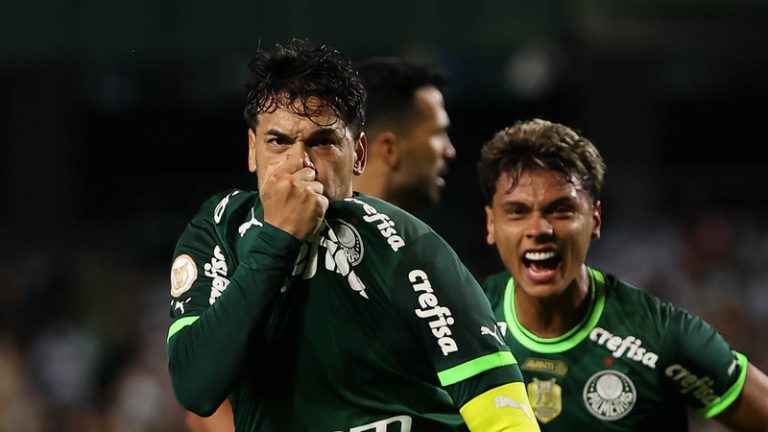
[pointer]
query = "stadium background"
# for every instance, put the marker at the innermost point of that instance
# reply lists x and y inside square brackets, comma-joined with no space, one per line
[118,120]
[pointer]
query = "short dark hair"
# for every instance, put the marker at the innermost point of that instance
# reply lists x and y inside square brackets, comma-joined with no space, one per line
[287,76]
[540,144]
[390,84]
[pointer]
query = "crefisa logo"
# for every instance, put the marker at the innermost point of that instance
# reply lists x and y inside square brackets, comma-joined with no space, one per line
[609,395]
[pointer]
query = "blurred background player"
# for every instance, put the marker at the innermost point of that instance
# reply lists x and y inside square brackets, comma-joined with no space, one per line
[597,353]
[407,129]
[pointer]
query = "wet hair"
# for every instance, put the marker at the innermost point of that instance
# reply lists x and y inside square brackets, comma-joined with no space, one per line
[540,144]
[391,84]
[289,76]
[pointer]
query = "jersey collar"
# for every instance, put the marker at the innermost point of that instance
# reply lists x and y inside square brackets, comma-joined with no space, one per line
[573,336]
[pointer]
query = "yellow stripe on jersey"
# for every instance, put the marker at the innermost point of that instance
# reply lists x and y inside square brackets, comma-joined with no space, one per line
[502,409]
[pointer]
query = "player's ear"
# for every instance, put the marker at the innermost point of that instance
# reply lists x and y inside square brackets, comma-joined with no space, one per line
[387,149]
[361,154]
[251,150]
[490,238]
[597,220]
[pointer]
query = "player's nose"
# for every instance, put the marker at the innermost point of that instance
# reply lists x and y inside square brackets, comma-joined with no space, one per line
[449,151]
[539,226]
[299,150]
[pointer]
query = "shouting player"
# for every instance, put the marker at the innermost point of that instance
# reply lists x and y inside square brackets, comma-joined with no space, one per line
[596,353]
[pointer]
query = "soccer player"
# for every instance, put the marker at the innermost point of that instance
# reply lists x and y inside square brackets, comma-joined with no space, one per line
[310,307]
[407,155]
[596,353]
[407,129]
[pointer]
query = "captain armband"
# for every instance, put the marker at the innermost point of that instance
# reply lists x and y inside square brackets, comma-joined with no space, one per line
[502,409]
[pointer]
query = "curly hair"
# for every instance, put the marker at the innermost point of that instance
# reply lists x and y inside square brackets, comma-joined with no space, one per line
[540,144]
[288,76]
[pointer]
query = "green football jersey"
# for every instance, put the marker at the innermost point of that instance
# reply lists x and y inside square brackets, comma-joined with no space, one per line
[633,363]
[361,328]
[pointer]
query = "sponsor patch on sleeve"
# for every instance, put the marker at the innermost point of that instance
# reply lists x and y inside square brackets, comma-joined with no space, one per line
[183,275]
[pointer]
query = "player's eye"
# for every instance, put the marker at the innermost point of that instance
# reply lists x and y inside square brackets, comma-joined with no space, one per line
[326,141]
[516,212]
[277,140]
[563,211]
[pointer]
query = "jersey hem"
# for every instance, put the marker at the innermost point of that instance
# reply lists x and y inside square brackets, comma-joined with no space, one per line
[473,367]
[720,404]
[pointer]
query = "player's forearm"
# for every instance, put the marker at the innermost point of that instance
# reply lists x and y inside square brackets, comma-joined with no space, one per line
[207,356]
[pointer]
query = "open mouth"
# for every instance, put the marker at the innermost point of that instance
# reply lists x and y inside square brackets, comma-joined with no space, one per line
[542,266]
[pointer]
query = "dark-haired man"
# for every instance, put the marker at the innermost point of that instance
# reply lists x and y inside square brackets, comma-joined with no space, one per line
[310,307]
[597,354]
[407,129]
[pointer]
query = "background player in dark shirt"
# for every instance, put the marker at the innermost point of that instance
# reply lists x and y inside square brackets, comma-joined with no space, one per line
[597,354]
[407,129]
[313,308]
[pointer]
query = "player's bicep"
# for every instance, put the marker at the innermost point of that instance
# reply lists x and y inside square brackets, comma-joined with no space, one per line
[449,312]
[199,275]
[699,366]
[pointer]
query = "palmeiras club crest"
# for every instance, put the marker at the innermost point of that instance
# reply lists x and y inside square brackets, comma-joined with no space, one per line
[609,395]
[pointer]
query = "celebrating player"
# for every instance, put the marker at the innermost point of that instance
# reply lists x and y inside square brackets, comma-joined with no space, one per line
[310,307]
[407,154]
[596,353]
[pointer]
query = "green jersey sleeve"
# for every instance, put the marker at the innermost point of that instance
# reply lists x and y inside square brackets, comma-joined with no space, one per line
[216,301]
[451,317]
[699,366]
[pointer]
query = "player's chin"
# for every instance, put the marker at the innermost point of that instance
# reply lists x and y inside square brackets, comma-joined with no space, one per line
[439,181]
[539,291]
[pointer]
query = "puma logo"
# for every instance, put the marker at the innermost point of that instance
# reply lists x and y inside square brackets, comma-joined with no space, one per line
[486,331]
[503,401]
[246,226]
[180,305]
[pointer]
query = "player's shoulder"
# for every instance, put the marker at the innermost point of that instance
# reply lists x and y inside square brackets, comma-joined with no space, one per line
[637,302]
[496,282]
[220,216]
[386,217]
[228,204]
[494,286]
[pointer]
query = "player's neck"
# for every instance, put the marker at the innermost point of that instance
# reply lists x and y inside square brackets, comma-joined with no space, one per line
[554,316]
[370,184]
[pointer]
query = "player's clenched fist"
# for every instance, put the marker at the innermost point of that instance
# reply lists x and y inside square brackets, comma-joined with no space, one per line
[293,199]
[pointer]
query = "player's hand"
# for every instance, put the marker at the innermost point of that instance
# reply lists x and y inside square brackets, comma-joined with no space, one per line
[293,199]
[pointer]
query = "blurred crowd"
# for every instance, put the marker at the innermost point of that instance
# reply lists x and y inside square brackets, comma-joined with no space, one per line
[84,322]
